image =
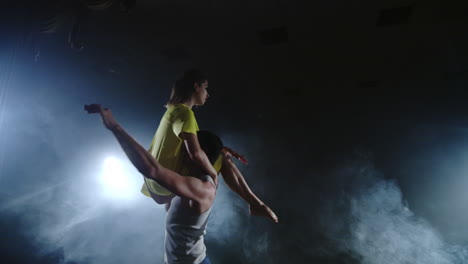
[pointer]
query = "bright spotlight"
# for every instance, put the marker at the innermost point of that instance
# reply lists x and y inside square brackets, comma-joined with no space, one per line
[118,180]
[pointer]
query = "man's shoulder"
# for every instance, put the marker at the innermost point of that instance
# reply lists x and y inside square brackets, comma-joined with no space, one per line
[207,178]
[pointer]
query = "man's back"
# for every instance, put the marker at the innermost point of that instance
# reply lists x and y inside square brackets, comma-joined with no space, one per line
[185,229]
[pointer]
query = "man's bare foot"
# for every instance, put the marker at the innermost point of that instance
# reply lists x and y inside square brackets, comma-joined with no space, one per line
[106,115]
[92,108]
[263,210]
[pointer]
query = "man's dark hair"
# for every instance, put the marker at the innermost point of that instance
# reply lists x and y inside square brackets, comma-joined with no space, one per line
[184,88]
[211,144]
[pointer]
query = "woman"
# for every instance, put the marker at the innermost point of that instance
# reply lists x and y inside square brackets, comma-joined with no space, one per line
[177,130]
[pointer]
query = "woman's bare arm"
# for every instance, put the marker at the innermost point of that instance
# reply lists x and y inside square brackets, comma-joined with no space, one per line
[197,155]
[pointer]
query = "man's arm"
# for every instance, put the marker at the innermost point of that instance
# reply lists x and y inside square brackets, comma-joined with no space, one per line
[186,187]
[196,154]
[236,182]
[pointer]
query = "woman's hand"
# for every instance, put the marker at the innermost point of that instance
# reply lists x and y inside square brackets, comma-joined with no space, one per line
[228,152]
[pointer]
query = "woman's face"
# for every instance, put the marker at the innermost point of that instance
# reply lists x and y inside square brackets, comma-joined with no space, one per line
[201,93]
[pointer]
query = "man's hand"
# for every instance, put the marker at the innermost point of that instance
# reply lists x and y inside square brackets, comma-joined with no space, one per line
[106,115]
[263,210]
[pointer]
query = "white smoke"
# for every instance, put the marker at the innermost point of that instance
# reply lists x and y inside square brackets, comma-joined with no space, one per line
[383,230]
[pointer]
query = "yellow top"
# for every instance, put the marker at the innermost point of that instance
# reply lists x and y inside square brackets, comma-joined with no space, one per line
[166,146]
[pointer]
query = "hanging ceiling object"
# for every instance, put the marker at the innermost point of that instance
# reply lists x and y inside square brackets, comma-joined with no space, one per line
[176,53]
[273,36]
[126,5]
[369,84]
[37,54]
[74,39]
[395,16]
[48,24]
[98,4]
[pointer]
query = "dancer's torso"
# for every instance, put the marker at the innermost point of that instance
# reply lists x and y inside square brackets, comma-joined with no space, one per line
[185,229]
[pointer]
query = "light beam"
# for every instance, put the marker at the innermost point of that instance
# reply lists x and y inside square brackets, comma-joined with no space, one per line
[118,181]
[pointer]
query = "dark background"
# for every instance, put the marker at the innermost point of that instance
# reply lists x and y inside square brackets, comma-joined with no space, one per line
[352,114]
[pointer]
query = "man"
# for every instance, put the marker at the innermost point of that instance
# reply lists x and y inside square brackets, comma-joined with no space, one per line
[194,195]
